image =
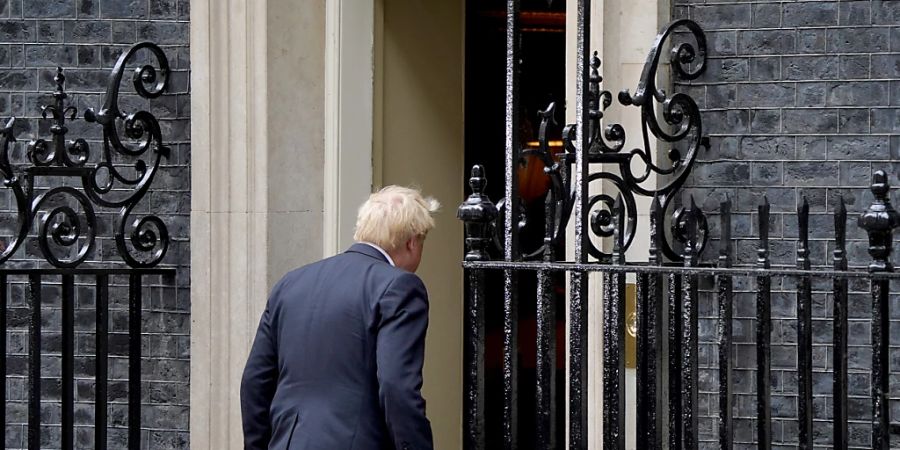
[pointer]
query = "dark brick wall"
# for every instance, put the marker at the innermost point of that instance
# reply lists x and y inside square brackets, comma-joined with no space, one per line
[801,99]
[86,37]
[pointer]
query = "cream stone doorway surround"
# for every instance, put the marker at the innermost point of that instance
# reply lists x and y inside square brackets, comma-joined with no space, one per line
[257,136]
[349,116]
[289,123]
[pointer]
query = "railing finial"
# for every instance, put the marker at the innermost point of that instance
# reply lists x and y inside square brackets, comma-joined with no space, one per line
[879,221]
[478,213]
[60,80]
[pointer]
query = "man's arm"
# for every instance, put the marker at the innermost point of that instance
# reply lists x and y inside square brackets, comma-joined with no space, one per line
[400,353]
[258,384]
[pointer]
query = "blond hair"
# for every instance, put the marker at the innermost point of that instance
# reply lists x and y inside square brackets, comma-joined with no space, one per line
[393,215]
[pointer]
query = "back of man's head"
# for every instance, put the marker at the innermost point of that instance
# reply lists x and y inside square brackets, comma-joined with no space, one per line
[393,215]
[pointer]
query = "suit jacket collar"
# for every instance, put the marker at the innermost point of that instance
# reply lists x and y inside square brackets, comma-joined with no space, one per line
[367,250]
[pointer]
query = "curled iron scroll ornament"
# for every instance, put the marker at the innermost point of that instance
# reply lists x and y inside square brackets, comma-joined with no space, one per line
[673,120]
[132,150]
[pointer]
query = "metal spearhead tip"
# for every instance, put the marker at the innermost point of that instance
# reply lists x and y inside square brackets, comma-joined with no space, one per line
[725,205]
[725,231]
[619,230]
[618,211]
[704,142]
[655,205]
[694,217]
[764,220]
[803,218]
[619,205]
[803,208]
[7,130]
[840,226]
[803,225]
[841,208]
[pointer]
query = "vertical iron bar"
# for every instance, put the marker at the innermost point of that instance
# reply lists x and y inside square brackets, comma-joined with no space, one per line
[578,306]
[641,398]
[763,334]
[134,361]
[649,341]
[546,312]
[68,361]
[841,438]
[578,368]
[474,437]
[689,365]
[34,351]
[545,377]
[101,362]
[510,305]
[879,221]
[546,362]
[676,440]
[479,215]
[724,289]
[3,300]
[880,364]
[510,359]
[614,340]
[804,331]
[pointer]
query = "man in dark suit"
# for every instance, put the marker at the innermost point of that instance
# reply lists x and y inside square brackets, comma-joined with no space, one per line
[337,360]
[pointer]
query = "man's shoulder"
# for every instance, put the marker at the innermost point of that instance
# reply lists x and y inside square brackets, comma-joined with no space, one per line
[401,277]
[365,264]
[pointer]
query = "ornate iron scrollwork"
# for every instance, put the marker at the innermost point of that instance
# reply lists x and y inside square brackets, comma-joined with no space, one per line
[66,235]
[679,126]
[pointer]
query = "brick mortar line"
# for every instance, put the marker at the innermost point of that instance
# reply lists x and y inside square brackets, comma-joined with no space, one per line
[781,186]
[793,28]
[751,29]
[92,19]
[789,160]
[788,81]
[786,55]
[88,44]
[763,2]
[850,135]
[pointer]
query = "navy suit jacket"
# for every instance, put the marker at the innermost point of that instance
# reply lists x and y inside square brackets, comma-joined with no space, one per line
[337,360]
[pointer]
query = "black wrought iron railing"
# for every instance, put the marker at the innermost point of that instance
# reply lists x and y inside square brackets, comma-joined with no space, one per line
[668,284]
[667,316]
[56,193]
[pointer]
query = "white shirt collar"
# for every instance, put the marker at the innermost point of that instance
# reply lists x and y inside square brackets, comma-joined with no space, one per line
[383,252]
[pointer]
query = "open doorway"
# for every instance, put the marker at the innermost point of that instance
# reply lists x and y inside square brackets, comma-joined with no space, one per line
[542,81]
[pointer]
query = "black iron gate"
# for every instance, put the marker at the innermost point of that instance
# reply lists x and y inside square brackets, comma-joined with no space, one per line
[54,189]
[668,283]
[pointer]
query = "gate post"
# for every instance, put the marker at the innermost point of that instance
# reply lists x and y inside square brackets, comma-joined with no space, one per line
[879,221]
[478,213]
